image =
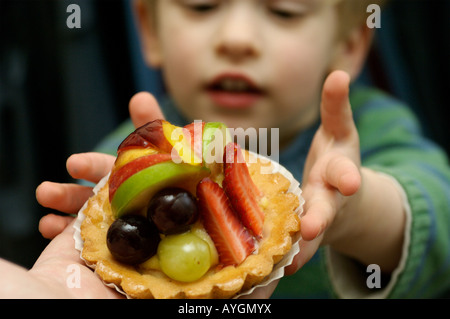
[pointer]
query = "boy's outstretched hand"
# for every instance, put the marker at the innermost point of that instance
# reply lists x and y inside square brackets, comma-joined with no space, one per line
[332,166]
[346,205]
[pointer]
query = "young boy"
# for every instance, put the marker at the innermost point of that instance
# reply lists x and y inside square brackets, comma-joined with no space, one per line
[376,191]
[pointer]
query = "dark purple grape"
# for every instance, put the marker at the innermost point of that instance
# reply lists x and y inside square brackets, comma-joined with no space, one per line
[173,210]
[132,239]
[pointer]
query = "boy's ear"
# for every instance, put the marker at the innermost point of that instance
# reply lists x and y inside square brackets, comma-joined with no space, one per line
[352,51]
[147,34]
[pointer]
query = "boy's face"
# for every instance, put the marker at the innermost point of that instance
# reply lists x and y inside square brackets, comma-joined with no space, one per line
[248,63]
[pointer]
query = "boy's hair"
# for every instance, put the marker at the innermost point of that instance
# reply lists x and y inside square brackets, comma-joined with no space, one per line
[352,13]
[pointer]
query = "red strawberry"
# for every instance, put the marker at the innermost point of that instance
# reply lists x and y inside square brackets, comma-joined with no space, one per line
[241,190]
[232,240]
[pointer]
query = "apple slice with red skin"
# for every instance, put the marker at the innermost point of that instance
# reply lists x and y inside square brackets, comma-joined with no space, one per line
[130,153]
[131,168]
[133,194]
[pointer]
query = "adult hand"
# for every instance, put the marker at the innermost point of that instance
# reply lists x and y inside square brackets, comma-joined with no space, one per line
[92,167]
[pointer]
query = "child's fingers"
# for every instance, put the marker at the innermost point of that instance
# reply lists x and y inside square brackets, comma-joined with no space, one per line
[336,113]
[66,198]
[144,108]
[343,174]
[320,209]
[307,251]
[91,167]
[52,225]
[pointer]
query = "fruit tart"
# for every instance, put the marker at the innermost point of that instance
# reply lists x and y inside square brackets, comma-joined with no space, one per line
[185,213]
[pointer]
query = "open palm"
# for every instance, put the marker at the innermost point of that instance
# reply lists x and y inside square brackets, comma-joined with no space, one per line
[331,171]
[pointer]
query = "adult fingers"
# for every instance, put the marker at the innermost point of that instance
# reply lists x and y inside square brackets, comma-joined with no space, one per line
[52,225]
[66,198]
[336,113]
[89,166]
[144,108]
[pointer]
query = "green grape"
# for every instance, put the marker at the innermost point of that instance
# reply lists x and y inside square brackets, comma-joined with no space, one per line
[184,257]
[199,231]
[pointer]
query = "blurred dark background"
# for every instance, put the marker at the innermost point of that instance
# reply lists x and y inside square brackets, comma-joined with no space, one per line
[62,90]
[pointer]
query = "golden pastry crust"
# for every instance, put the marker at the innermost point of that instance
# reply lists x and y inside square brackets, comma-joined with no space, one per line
[280,226]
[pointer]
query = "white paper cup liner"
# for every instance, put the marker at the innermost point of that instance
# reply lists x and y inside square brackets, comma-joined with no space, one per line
[278,269]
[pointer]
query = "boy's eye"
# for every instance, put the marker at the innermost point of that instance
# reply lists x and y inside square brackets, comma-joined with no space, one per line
[287,9]
[203,7]
[283,13]
[200,5]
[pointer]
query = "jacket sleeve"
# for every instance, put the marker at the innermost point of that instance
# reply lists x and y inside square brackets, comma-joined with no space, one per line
[392,143]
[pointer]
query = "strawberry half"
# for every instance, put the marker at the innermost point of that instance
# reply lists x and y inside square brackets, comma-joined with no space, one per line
[232,240]
[241,190]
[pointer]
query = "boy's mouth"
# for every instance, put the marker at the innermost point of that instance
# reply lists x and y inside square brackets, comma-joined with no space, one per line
[233,91]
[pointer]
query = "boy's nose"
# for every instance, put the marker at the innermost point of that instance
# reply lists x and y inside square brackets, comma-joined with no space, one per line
[237,37]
